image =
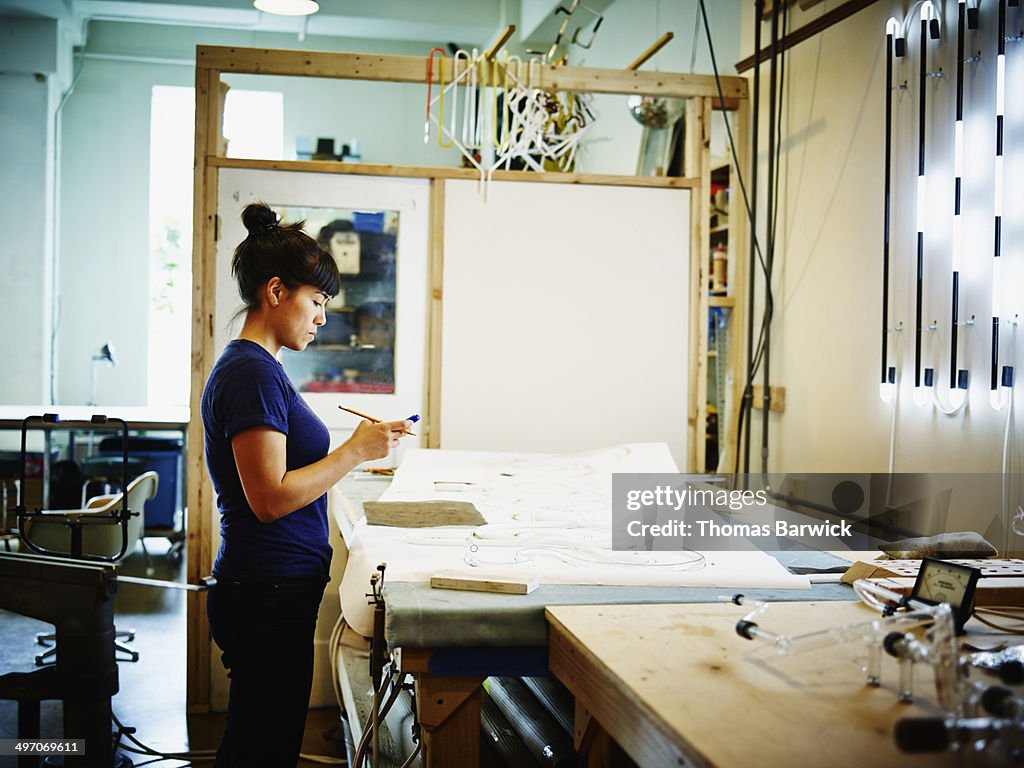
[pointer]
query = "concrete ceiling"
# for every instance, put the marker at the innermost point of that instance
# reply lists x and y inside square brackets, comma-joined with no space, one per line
[475,22]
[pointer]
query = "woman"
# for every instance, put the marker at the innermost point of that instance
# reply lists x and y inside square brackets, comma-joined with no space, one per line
[267,454]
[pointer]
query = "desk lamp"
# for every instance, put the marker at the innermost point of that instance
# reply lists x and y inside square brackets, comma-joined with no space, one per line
[103,354]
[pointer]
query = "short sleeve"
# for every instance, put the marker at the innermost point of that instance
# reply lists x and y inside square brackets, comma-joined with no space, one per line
[255,394]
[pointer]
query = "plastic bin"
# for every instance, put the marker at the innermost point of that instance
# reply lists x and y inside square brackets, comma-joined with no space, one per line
[163,456]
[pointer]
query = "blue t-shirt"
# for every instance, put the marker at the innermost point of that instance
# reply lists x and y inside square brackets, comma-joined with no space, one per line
[248,388]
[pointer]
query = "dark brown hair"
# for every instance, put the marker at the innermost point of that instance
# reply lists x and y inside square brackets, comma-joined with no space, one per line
[275,248]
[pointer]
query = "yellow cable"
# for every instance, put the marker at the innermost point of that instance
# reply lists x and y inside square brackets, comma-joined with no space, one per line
[440,109]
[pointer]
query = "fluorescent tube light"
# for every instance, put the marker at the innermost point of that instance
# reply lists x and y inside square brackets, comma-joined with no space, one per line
[287,7]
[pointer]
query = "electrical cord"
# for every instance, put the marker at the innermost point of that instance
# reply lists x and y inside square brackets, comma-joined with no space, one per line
[162,759]
[728,130]
[769,298]
[936,397]
[142,749]
[1015,614]
[415,753]
[190,756]
[395,681]
[776,88]
[333,648]
[752,370]
[1007,445]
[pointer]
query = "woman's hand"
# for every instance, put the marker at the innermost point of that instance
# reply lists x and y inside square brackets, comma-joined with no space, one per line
[374,441]
[273,491]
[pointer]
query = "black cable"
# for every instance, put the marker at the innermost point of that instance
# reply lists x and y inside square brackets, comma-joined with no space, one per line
[773,71]
[750,207]
[748,392]
[732,142]
[778,132]
[775,154]
[755,353]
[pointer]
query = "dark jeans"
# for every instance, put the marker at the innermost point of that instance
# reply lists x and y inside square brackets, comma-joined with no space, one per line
[266,634]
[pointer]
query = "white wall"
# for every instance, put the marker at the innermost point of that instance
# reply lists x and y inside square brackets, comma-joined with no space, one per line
[826,334]
[29,56]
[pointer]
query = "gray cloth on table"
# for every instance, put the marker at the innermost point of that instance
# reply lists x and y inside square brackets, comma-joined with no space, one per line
[945,545]
[420,617]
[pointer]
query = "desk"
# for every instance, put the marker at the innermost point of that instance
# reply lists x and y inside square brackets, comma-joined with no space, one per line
[675,685]
[138,417]
[451,641]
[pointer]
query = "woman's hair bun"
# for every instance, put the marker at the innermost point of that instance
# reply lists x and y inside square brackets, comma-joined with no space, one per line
[257,217]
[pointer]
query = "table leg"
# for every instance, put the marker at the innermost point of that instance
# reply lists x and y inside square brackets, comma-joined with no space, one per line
[593,743]
[448,710]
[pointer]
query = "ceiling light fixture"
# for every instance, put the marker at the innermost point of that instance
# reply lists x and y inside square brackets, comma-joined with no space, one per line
[287,7]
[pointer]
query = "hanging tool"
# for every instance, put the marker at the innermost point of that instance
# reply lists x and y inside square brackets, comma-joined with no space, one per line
[658,44]
[593,32]
[430,82]
[500,42]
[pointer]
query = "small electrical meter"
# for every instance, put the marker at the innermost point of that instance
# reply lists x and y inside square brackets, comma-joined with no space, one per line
[943,581]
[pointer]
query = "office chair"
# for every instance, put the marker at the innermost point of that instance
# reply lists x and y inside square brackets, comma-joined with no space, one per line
[104,539]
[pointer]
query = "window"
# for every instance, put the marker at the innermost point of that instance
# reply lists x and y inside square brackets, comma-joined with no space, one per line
[254,127]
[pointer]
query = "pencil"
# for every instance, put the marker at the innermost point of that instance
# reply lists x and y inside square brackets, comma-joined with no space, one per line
[375,421]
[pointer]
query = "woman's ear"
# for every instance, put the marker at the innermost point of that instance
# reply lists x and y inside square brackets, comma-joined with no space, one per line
[275,291]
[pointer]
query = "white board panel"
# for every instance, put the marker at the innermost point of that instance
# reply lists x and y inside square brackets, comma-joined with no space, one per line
[565,320]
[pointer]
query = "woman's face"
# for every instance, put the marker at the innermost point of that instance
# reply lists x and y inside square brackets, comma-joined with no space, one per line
[299,315]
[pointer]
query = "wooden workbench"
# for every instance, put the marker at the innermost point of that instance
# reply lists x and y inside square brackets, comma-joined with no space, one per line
[674,685]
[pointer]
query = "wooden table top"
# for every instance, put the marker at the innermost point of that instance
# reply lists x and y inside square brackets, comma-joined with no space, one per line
[675,685]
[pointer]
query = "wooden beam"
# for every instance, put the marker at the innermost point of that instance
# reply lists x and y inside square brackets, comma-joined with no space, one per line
[639,82]
[727,105]
[430,172]
[413,69]
[208,141]
[739,245]
[807,31]
[436,316]
[778,399]
[448,709]
[697,165]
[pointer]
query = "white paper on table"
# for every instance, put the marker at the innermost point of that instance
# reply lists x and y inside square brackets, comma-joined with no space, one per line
[549,519]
